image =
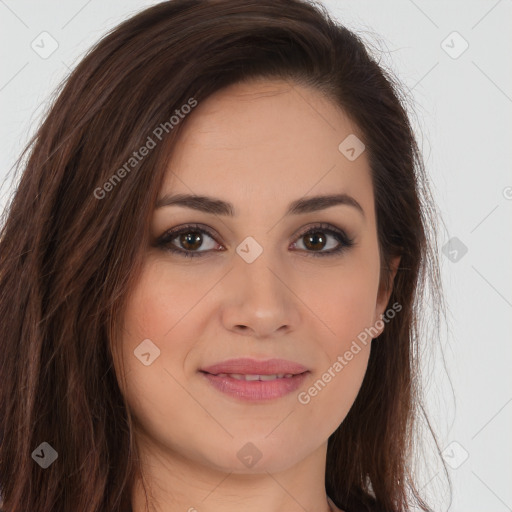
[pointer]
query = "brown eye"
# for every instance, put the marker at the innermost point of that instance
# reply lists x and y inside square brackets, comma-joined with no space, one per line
[188,241]
[191,240]
[323,236]
[315,241]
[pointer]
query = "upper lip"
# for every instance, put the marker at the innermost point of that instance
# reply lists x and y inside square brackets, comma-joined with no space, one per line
[247,366]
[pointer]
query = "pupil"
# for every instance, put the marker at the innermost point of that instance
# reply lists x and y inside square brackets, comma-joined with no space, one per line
[315,236]
[191,240]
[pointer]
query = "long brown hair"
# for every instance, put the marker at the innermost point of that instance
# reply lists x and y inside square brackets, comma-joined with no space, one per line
[73,239]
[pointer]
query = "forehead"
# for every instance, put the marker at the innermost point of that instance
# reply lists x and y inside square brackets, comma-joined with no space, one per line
[267,141]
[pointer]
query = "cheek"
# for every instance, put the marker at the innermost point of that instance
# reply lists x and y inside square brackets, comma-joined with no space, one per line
[334,390]
[153,312]
[156,311]
[345,348]
[161,300]
[344,308]
[343,302]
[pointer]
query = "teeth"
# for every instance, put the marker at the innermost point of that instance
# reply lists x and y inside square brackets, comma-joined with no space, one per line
[253,377]
[239,376]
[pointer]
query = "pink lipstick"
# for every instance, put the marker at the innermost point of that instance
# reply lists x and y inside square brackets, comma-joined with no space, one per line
[253,380]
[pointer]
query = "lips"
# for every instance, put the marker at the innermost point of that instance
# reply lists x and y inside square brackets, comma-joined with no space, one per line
[255,381]
[245,367]
[251,377]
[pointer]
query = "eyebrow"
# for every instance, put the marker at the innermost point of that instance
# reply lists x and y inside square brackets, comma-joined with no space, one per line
[219,207]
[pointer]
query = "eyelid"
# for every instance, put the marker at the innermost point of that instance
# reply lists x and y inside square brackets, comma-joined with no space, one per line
[174,232]
[341,235]
[320,226]
[344,240]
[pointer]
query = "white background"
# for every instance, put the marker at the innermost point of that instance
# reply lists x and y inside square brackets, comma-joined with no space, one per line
[463,107]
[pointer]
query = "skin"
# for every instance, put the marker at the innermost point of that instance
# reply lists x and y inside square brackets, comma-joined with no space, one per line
[258,145]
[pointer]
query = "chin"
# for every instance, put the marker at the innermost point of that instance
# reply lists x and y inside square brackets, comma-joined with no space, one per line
[256,456]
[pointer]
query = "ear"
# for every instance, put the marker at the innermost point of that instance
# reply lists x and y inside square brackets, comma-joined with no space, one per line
[384,292]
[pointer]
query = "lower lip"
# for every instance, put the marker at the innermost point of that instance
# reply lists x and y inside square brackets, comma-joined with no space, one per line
[255,390]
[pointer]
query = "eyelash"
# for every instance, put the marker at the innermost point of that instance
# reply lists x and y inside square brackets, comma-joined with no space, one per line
[164,242]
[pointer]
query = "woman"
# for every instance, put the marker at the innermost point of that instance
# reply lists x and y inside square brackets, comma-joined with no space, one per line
[210,274]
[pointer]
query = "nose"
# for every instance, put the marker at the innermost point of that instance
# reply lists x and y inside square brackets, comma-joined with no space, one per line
[258,299]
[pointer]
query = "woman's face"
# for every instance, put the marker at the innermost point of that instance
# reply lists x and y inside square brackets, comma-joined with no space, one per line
[258,286]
